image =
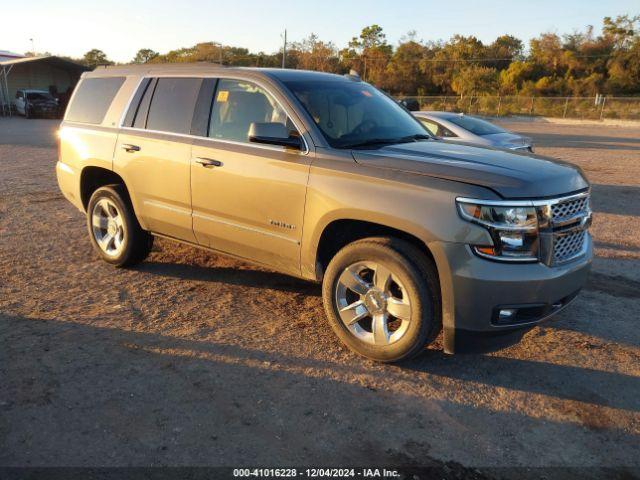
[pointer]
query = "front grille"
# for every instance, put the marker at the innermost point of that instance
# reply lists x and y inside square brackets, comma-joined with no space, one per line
[569,222]
[568,246]
[563,210]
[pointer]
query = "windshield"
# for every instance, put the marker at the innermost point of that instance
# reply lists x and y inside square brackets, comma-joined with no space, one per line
[39,96]
[475,125]
[352,114]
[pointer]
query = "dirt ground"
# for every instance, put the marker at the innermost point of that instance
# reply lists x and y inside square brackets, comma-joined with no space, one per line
[195,359]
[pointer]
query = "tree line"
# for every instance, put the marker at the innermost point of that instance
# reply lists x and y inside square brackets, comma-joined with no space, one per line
[579,64]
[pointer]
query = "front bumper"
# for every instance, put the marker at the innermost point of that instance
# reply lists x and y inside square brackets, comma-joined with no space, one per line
[478,288]
[44,110]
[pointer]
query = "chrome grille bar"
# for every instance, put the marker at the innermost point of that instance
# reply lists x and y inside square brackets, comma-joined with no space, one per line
[564,223]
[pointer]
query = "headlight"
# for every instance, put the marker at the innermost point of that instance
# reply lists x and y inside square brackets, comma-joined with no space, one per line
[513,229]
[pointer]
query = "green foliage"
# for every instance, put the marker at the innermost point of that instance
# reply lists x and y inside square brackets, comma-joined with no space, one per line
[314,54]
[369,54]
[95,57]
[622,31]
[404,72]
[516,77]
[474,80]
[577,64]
[145,55]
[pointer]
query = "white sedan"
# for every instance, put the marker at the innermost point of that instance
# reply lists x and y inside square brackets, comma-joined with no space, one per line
[459,127]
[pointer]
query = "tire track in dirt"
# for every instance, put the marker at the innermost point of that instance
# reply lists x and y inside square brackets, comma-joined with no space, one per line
[617,286]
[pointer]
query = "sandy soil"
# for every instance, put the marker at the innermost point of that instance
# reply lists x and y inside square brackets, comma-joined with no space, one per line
[194,359]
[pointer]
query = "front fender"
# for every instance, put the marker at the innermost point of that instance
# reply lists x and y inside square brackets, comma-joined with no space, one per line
[421,206]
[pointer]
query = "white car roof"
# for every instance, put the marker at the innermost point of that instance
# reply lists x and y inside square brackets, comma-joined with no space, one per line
[437,114]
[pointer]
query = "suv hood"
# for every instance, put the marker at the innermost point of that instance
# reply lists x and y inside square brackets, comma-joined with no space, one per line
[510,174]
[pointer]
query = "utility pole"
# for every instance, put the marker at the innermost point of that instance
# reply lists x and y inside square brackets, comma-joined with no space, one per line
[33,48]
[284,49]
[364,76]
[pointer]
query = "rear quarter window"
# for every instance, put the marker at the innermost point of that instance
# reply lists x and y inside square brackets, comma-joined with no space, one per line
[92,99]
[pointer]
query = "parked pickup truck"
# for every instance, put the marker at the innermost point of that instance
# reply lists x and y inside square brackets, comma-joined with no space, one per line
[35,103]
[326,178]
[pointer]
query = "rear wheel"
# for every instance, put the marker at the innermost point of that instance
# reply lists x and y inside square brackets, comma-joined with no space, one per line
[381,296]
[114,229]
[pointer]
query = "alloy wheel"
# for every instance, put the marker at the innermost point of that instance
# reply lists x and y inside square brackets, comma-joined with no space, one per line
[107,226]
[373,303]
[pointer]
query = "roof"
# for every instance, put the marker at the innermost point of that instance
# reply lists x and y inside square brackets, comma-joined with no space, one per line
[48,59]
[290,75]
[437,114]
[8,54]
[210,68]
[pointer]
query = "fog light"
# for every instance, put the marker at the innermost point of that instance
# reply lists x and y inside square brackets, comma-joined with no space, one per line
[507,314]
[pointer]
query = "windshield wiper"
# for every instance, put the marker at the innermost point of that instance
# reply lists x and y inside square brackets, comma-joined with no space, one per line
[417,137]
[371,142]
[388,141]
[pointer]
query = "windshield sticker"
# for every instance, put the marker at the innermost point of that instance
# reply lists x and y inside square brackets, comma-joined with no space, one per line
[223,96]
[366,94]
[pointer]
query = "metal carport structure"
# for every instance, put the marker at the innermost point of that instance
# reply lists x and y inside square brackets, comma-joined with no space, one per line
[36,73]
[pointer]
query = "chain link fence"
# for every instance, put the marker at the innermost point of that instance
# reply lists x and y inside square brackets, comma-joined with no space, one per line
[585,108]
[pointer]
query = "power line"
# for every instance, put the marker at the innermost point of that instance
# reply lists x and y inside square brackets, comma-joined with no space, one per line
[253,56]
[274,56]
[453,60]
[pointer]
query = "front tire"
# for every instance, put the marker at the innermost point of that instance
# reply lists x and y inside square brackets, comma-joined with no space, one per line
[114,229]
[382,298]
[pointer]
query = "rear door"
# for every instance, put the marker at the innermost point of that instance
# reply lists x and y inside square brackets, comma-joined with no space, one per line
[153,154]
[248,198]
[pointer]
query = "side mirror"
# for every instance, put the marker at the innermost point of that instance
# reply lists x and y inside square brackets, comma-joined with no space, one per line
[273,133]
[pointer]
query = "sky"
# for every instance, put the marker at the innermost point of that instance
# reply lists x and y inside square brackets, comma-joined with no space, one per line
[121,27]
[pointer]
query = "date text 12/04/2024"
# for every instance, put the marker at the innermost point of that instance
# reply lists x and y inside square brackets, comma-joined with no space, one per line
[316,473]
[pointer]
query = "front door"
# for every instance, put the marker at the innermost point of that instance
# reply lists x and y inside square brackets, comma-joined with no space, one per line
[248,199]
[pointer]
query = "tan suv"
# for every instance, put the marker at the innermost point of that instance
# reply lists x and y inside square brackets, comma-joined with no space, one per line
[326,178]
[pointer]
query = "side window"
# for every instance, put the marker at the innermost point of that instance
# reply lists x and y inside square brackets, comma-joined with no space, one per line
[142,110]
[92,99]
[437,129]
[134,106]
[200,123]
[172,105]
[432,127]
[238,104]
[445,132]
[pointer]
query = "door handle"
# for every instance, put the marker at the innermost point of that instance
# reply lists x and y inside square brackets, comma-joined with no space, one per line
[208,162]
[130,148]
